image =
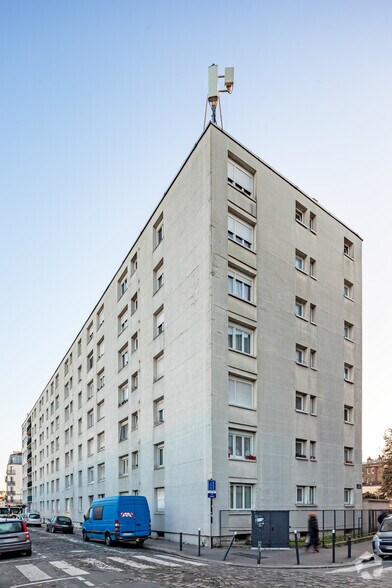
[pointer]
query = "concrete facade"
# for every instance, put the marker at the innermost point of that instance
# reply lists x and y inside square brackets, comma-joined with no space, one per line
[13,479]
[235,324]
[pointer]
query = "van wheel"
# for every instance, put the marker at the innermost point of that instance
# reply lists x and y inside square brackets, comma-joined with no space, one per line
[140,542]
[108,540]
[84,535]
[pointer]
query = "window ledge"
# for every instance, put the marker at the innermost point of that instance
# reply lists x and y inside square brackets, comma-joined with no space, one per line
[313,368]
[157,379]
[349,381]
[306,504]
[243,299]
[301,317]
[304,458]
[301,223]
[313,277]
[313,231]
[348,298]
[348,506]
[243,246]
[349,463]
[313,414]
[348,256]
[348,423]
[305,365]
[301,411]
[348,339]
[242,353]
[313,323]
[301,271]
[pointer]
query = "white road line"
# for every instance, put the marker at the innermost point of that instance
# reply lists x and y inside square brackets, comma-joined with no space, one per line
[179,560]
[67,568]
[101,565]
[32,573]
[156,561]
[132,564]
[88,583]
[39,582]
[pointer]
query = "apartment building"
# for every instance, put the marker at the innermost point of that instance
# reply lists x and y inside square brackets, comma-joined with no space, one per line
[13,479]
[227,347]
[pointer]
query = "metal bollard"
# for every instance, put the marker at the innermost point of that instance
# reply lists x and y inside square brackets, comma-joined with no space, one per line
[296,547]
[180,541]
[259,553]
[349,547]
[231,543]
[333,545]
[199,543]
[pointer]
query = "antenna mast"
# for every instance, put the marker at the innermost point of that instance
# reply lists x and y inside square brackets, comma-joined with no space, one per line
[213,90]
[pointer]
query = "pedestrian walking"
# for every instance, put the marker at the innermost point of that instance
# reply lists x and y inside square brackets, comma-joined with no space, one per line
[313,532]
[381,517]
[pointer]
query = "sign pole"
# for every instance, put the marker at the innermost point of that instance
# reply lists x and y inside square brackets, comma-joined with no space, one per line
[211,521]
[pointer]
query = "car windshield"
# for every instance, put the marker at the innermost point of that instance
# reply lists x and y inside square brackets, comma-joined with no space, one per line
[34,516]
[10,527]
[386,525]
[66,520]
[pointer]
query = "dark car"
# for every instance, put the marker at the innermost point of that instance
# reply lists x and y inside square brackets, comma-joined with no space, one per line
[14,536]
[60,523]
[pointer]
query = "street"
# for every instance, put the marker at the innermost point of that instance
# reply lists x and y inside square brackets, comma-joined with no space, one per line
[66,561]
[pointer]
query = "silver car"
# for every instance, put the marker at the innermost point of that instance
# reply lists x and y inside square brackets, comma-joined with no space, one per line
[14,536]
[33,519]
[382,540]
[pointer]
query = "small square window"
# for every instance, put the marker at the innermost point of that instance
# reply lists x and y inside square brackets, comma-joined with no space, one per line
[348,331]
[348,289]
[300,306]
[300,261]
[300,399]
[300,355]
[348,372]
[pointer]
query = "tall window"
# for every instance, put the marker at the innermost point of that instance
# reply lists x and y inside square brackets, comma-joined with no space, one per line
[300,260]
[90,475]
[348,414]
[348,248]
[123,393]
[300,306]
[348,372]
[123,357]
[134,264]
[158,276]
[134,303]
[100,318]
[348,455]
[348,496]
[123,320]
[240,496]
[159,322]
[101,348]
[240,392]
[101,441]
[159,411]
[239,178]
[158,231]
[160,498]
[101,379]
[239,339]
[134,342]
[123,465]
[348,331]
[135,459]
[348,289]
[158,366]
[240,231]
[300,448]
[122,284]
[159,455]
[123,430]
[90,418]
[240,285]
[101,472]
[300,355]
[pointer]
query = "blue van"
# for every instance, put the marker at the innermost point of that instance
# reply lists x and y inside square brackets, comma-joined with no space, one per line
[118,518]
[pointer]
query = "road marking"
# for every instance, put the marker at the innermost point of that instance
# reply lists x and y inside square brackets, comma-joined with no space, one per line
[101,565]
[156,561]
[32,573]
[132,564]
[182,561]
[67,568]
[39,582]
[88,583]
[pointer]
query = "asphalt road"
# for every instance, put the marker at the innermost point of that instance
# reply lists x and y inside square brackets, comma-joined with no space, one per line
[65,561]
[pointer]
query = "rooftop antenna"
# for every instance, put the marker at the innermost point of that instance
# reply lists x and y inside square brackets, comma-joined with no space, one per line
[213,90]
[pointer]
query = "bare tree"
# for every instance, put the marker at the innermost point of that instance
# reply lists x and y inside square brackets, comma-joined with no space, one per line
[386,485]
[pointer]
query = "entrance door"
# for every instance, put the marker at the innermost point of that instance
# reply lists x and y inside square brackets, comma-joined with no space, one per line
[270,527]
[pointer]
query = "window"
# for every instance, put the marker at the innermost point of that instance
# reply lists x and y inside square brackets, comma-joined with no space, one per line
[159,322]
[348,414]
[123,321]
[300,448]
[240,232]
[123,465]
[134,342]
[158,276]
[122,284]
[300,261]
[134,381]
[135,420]
[90,361]
[90,418]
[348,372]
[240,392]
[80,478]
[348,331]
[312,222]
[160,498]
[239,339]
[123,394]
[66,367]
[348,455]
[300,355]
[135,459]
[158,366]
[300,306]
[134,264]
[100,410]
[90,475]
[312,359]
[312,268]
[101,380]
[312,314]
[348,289]
[312,405]
[90,447]
[300,399]
[101,472]
[159,455]
[100,318]
[348,248]
[90,390]
[158,231]
[300,213]
[101,441]
[312,450]
[123,430]
[159,411]
[241,445]
[240,285]
[79,374]
[80,452]
[123,357]
[306,495]
[134,303]
[101,348]
[348,496]
[79,347]
[239,178]
[90,332]
[240,496]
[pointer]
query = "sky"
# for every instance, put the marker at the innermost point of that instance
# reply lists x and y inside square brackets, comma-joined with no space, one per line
[102,100]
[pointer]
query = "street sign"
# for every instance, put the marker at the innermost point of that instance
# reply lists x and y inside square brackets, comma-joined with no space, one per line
[211,494]
[212,486]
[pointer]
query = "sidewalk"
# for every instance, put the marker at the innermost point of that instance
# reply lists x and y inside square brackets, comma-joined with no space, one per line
[270,558]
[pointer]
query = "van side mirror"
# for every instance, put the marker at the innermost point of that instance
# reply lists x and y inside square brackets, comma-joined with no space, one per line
[84,517]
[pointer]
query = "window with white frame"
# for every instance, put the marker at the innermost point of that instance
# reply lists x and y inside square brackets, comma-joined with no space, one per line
[306,495]
[90,475]
[312,222]
[241,445]
[160,498]
[348,331]
[123,465]
[135,420]
[348,289]
[348,372]
[100,410]
[300,306]
[312,268]
[134,342]
[90,332]
[159,411]
[348,496]
[134,303]
[100,472]
[313,359]
[122,284]
[123,430]
[239,339]
[158,366]
[158,231]
[123,320]
[159,455]
[135,459]
[158,276]
[80,504]
[312,450]
[90,418]
[90,361]
[240,231]
[239,178]
[241,496]
[90,446]
[123,393]
[348,413]
[300,354]
[312,314]
[123,357]
[240,285]
[159,322]
[300,401]
[300,448]
[240,392]
[300,212]
[101,379]
[134,381]
[134,264]
[312,405]
[348,248]
[101,441]
[300,260]
[100,318]
[348,455]
[101,348]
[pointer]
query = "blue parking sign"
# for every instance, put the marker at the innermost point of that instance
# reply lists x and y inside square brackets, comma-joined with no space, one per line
[211,485]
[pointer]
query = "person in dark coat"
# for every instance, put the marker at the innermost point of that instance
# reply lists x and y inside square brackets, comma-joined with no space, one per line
[381,517]
[313,532]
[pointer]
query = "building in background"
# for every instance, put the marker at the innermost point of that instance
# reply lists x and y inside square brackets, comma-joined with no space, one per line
[227,347]
[372,470]
[13,480]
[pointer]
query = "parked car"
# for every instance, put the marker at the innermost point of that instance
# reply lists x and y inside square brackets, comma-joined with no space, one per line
[118,518]
[14,536]
[33,519]
[382,540]
[60,523]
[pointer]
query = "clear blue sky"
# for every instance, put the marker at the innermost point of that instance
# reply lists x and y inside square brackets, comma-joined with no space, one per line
[100,103]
